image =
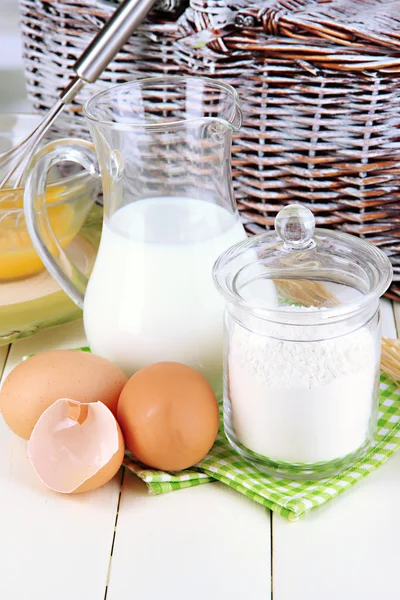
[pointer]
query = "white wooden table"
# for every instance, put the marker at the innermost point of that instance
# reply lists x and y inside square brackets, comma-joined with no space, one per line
[207,542]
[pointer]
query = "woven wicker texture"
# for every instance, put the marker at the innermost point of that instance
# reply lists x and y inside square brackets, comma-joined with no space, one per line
[320,89]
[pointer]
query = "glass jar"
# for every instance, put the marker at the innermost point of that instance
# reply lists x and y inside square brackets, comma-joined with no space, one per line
[302,346]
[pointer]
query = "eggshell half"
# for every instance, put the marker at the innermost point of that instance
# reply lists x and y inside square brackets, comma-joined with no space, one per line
[39,381]
[76,447]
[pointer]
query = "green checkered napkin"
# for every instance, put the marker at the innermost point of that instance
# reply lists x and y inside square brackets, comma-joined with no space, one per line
[291,499]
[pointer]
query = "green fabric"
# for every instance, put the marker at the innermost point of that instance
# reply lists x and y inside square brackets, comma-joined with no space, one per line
[290,499]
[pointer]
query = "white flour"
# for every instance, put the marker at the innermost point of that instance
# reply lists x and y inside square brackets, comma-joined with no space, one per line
[302,402]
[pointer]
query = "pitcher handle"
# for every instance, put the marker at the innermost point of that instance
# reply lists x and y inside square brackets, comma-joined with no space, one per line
[46,244]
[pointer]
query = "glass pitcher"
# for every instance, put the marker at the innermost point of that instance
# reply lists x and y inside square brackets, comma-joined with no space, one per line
[164,153]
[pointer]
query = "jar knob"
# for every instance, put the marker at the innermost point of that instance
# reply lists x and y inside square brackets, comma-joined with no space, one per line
[295,225]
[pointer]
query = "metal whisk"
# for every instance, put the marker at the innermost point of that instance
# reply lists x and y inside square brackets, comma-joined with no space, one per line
[87,69]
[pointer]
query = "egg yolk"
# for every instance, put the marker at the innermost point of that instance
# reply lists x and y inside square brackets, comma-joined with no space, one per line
[18,257]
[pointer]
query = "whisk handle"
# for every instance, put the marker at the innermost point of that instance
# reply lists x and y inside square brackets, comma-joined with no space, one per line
[46,244]
[111,38]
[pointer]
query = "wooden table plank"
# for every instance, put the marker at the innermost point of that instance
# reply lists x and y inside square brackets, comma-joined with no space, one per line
[53,547]
[346,549]
[207,542]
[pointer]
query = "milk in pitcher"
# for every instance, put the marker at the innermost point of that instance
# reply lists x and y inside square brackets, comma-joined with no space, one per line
[151,296]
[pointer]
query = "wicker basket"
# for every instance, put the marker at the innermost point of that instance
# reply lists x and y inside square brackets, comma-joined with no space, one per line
[319,82]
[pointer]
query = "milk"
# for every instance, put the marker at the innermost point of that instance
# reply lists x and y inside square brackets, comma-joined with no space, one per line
[151,295]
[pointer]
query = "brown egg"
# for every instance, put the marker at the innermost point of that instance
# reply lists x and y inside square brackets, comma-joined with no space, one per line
[76,447]
[42,379]
[169,416]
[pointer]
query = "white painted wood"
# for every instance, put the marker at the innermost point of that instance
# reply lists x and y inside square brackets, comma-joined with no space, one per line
[396,310]
[348,548]
[202,543]
[66,336]
[388,321]
[52,547]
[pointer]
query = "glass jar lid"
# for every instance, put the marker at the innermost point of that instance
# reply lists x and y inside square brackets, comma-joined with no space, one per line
[303,268]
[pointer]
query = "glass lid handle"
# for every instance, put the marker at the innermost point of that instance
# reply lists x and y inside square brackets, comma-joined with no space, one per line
[295,225]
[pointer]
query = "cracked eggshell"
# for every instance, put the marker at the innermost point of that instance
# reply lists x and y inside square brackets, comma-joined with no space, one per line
[42,379]
[76,447]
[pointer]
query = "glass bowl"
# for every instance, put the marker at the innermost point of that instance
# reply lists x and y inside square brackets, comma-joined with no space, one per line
[70,195]
[30,300]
